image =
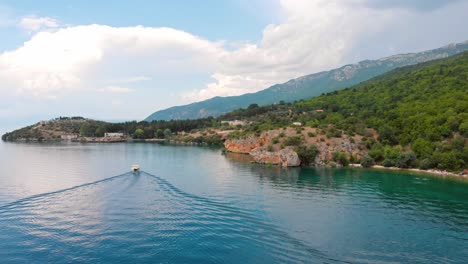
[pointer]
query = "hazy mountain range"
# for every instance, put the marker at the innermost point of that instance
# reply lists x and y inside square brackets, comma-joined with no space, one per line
[306,86]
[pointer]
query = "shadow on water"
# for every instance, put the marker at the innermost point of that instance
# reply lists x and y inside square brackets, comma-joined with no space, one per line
[141,217]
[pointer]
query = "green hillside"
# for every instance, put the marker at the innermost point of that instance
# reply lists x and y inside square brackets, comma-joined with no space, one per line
[423,108]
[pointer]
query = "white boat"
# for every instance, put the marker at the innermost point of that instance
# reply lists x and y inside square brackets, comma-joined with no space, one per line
[135,167]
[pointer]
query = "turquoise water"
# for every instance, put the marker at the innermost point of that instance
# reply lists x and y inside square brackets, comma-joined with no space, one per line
[67,203]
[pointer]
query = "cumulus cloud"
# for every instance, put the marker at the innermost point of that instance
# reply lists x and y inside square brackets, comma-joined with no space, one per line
[322,34]
[33,24]
[76,58]
[314,35]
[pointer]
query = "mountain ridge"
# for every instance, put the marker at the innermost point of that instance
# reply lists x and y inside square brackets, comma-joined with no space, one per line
[307,86]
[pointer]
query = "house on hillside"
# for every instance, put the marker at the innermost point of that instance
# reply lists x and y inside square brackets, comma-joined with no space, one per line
[234,123]
[113,135]
[297,124]
[318,110]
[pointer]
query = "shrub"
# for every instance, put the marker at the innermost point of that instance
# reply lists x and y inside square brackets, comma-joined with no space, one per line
[426,164]
[406,160]
[275,140]
[463,128]
[307,154]
[310,134]
[293,141]
[353,159]
[450,161]
[388,162]
[367,161]
[270,148]
[390,152]
[422,148]
[282,134]
[377,152]
[341,158]
[387,135]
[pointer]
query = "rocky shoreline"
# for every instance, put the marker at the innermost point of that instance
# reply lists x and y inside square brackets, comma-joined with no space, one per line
[443,173]
[278,147]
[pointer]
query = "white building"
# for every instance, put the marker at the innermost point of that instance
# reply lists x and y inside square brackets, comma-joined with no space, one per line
[113,135]
[297,124]
[234,123]
[68,136]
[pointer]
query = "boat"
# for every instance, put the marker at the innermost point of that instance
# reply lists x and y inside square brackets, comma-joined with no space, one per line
[135,167]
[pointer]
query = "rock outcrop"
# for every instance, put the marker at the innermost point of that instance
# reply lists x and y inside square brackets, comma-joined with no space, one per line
[285,157]
[245,145]
[254,146]
[270,147]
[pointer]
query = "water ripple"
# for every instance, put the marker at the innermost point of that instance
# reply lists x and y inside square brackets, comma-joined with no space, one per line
[111,221]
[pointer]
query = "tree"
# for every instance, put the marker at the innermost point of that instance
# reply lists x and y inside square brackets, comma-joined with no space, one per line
[387,135]
[139,133]
[341,158]
[159,133]
[367,161]
[406,160]
[100,131]
[422,148]
[85,130]
[252,106]
[307,154]
[463,128]
[167,133]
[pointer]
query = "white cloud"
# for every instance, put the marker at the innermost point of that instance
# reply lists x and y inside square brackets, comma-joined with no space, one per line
[323,34]
[315,35]
[33,24]
[77,58]
[116,89]
[131,79]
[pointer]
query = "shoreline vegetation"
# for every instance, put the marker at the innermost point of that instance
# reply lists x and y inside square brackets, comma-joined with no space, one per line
[412,118]
[435,172]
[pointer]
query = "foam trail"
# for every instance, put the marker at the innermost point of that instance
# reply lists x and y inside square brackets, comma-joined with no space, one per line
[22,200]
[244,214]
[217,210]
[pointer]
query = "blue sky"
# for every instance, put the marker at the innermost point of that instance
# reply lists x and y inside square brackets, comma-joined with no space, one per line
[121,60]
[228,20]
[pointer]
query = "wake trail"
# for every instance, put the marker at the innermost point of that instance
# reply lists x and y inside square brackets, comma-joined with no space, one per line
[219,209]
[41,195]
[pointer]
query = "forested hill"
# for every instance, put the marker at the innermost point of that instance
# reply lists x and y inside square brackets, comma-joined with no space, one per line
[423,108]
[306,86]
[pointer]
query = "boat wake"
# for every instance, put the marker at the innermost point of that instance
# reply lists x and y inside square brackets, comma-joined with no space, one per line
[142,217]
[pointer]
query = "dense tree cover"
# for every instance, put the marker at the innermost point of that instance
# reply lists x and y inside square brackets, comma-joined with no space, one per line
[420,112]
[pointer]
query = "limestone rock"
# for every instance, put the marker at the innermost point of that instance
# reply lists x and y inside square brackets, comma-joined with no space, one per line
[285,157]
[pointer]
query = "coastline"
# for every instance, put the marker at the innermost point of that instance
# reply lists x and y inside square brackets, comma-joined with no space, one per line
[434,172]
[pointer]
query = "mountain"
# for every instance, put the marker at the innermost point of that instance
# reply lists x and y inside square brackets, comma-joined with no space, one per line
[411,117]
[306,86]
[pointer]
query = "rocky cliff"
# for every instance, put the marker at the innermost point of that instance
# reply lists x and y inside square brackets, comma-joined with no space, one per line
[277,146]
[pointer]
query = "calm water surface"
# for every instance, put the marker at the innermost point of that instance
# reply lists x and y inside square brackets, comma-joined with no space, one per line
[77,203]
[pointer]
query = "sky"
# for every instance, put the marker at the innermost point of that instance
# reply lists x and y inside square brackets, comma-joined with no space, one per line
[122,60]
